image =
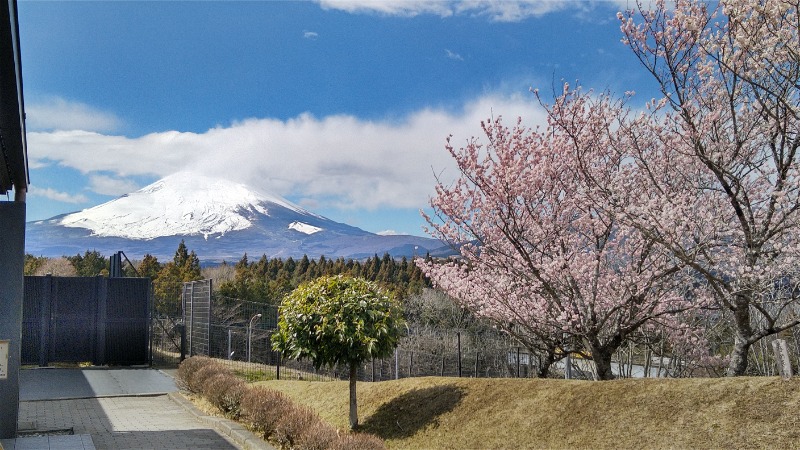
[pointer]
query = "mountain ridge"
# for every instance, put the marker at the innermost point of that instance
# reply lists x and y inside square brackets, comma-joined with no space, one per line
[218,219]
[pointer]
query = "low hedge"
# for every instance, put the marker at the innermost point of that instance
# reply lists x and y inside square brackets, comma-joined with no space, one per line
[266,411]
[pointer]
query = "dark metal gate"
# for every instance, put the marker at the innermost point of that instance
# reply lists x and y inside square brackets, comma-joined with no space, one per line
[105,321]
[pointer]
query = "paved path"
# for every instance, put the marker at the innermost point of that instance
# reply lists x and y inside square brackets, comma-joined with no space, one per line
[117,409]
[127,423]
[55,384]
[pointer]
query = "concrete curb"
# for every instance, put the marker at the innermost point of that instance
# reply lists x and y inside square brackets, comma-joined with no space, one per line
[239,434]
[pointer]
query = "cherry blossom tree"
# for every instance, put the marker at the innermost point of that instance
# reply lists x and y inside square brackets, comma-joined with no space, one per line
[546,254]
[717,157]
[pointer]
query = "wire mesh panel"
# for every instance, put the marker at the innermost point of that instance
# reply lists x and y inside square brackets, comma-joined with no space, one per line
[165,338]
[196,299]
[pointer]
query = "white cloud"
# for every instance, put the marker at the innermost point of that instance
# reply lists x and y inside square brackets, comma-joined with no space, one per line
[387,233]
[59,114]
[58,196]
[106,185]
[312,35]
[404,8]
[453,55]
[646,5]
[495,10]
[337,161]
[513,11]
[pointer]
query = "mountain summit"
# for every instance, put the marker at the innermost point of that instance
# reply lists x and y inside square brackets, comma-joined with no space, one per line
[219,219]
[181,204]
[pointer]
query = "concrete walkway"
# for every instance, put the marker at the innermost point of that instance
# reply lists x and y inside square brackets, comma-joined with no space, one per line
[116,409]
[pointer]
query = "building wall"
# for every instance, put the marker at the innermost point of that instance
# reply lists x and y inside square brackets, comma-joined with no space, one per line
[12,263]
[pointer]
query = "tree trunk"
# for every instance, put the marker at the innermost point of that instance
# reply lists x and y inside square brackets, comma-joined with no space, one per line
[741,344]
[602,361]
[545,362]
[738,364]
[353,403]
[603,364]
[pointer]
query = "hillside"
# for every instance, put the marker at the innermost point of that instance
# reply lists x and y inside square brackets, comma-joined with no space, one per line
[463,413]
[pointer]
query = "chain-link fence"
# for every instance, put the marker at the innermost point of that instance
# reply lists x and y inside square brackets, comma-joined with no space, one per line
[238,333]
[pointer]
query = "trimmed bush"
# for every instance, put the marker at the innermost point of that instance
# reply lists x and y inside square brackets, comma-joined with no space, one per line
[196,382]
[297,421]
[231,401]
[357,441]
[263,408]
[188,368]
[318,436]
[224,390]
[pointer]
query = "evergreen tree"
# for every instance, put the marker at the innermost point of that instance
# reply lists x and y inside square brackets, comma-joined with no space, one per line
[91,264]
[33,263]
[149,267]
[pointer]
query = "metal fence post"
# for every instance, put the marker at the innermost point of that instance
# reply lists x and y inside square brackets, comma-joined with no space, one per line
[182,329]
[458,336]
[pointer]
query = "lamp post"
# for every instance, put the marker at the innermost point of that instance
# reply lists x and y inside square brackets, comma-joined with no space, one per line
[250,333]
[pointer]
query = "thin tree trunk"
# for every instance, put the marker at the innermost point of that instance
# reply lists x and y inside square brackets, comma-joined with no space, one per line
[741,345]
[738,365]
[630,360]
[353,403]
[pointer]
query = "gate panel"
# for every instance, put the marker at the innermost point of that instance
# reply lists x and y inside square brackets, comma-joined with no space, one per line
[127,324]
[73,319]
[86,319]
[37,300]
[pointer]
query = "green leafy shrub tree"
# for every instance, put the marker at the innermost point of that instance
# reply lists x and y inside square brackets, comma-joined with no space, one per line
[339,320]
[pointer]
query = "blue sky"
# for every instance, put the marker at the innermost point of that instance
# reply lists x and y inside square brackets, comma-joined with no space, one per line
[342,107]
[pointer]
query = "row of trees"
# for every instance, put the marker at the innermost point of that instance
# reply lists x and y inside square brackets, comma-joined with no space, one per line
[610,221]
[270,279]
[267,280]
[185,266]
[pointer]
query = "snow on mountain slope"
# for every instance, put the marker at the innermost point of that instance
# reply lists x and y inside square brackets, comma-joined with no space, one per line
[304,227]
[180,204]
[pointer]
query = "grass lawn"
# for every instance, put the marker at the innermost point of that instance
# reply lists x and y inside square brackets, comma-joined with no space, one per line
[461,413]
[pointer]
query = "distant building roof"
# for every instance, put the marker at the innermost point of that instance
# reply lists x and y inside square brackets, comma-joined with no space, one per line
[13,147]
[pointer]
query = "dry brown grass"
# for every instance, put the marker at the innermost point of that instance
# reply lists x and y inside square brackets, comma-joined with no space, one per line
[462,413]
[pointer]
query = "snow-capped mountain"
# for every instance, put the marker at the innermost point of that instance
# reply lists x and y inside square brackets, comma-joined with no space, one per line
[219,219]
[180,204]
